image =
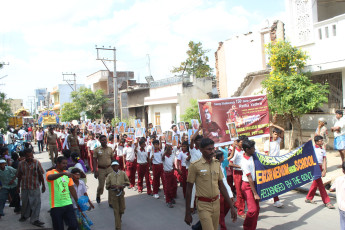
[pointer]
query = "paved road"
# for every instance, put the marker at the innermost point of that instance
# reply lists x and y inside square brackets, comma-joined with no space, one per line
[145,212]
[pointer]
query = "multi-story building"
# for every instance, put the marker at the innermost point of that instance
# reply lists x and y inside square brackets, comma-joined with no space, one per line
[103,80]
[15,104]
[62,94]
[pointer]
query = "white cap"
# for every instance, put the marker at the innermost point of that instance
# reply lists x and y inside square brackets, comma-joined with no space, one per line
[2,161]
[115,163]
[322,119]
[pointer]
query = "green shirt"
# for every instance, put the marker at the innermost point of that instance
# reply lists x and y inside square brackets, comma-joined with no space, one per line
[6,176]
[59,190]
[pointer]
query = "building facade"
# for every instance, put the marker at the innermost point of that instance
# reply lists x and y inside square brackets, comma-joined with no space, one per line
[15,104]
[60,95]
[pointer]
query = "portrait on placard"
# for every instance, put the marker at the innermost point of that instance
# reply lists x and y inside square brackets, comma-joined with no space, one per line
[181,126]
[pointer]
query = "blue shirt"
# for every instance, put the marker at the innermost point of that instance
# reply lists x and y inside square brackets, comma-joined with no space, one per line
[6,176]
[225,162]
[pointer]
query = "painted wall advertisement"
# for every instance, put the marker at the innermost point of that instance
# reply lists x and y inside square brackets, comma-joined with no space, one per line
[277,175]
[225,119]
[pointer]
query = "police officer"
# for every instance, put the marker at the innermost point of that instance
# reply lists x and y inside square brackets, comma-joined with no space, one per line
[206,175]
[72,141]
[102,157]
[51,138]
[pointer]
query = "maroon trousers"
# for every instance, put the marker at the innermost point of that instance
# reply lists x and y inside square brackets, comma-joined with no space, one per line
[314,186]
[184,176]
[239,196]
[130,171]
[253,208]
[224,209]
[120,160]
[157,170]
[170,186]
[143,171]
[83,152]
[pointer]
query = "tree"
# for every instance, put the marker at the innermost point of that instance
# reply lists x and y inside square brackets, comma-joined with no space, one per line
[89,102]
[70,112]
[290,91]
[196,62]
[192,112]
[5,111]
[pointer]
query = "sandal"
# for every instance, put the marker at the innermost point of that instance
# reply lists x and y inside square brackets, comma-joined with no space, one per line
[330,206]
[310,201]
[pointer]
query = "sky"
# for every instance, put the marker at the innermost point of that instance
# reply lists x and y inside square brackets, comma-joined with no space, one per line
[42,39]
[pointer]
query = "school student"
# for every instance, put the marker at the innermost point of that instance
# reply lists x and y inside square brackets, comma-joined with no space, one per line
[248,186]
[129,162]
[183,161]
[170,182]
[272,148]
[119,152]
[235,160]
[321,159]
[339,187]
[143,167]
[157,166]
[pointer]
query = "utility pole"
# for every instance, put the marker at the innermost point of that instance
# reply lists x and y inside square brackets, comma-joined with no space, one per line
[32,99]
[68,80]
[113,59]
[149,64]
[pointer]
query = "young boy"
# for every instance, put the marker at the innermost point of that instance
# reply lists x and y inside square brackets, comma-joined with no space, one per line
[91,145]
[272,148]
[79,186]
[170,183]
[235,159]
[248,186]
[321,159]
[129,162]
[119,153]
[116,181]
[143,167]
[182,165]
[224,206]
[157,166]
[339,187]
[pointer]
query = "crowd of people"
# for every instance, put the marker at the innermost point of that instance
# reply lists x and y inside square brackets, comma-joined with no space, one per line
[214,180]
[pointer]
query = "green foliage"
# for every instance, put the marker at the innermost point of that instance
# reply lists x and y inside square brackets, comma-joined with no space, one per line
[290,92]
[128,120]
[89,102]
[70,112]
[5,111]
[197,62]
[191,112]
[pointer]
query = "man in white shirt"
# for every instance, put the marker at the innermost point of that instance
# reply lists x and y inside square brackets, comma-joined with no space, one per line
[143,167]
[338,186]
[339,134]
[129,162]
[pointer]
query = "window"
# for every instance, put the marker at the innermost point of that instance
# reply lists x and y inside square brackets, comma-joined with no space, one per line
[326,31]
[157,118]
[334,30]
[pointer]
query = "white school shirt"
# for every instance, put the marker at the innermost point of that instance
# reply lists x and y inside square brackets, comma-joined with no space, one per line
[91,144]
[157,157]
[111,145]
[225,182]
[339,186]
[273,147]
[183,158]
[340,123]
[248,167]
[119,150]
[195,154]
[168,163]
[129,152]
[81,141]
[80,189]
[65,145]
[142,156]
[237,158]
[320,154]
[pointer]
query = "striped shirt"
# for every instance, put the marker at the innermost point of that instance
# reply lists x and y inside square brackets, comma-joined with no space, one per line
[30,173]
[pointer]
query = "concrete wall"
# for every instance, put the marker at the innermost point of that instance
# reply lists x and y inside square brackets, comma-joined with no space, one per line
[222,74]
[15,104]
[136,98]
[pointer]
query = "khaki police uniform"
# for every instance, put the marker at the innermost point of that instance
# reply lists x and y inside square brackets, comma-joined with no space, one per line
[206,177]
[52,147]
[104,157]
[74,143]
[118,202]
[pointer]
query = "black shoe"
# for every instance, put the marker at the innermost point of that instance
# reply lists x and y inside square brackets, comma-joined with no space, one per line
[38,223]
[110,206]
[17,209]
[22,219]
[173,201]
[98,199]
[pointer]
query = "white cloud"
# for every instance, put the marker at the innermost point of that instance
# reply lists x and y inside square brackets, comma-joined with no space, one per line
[60,36]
